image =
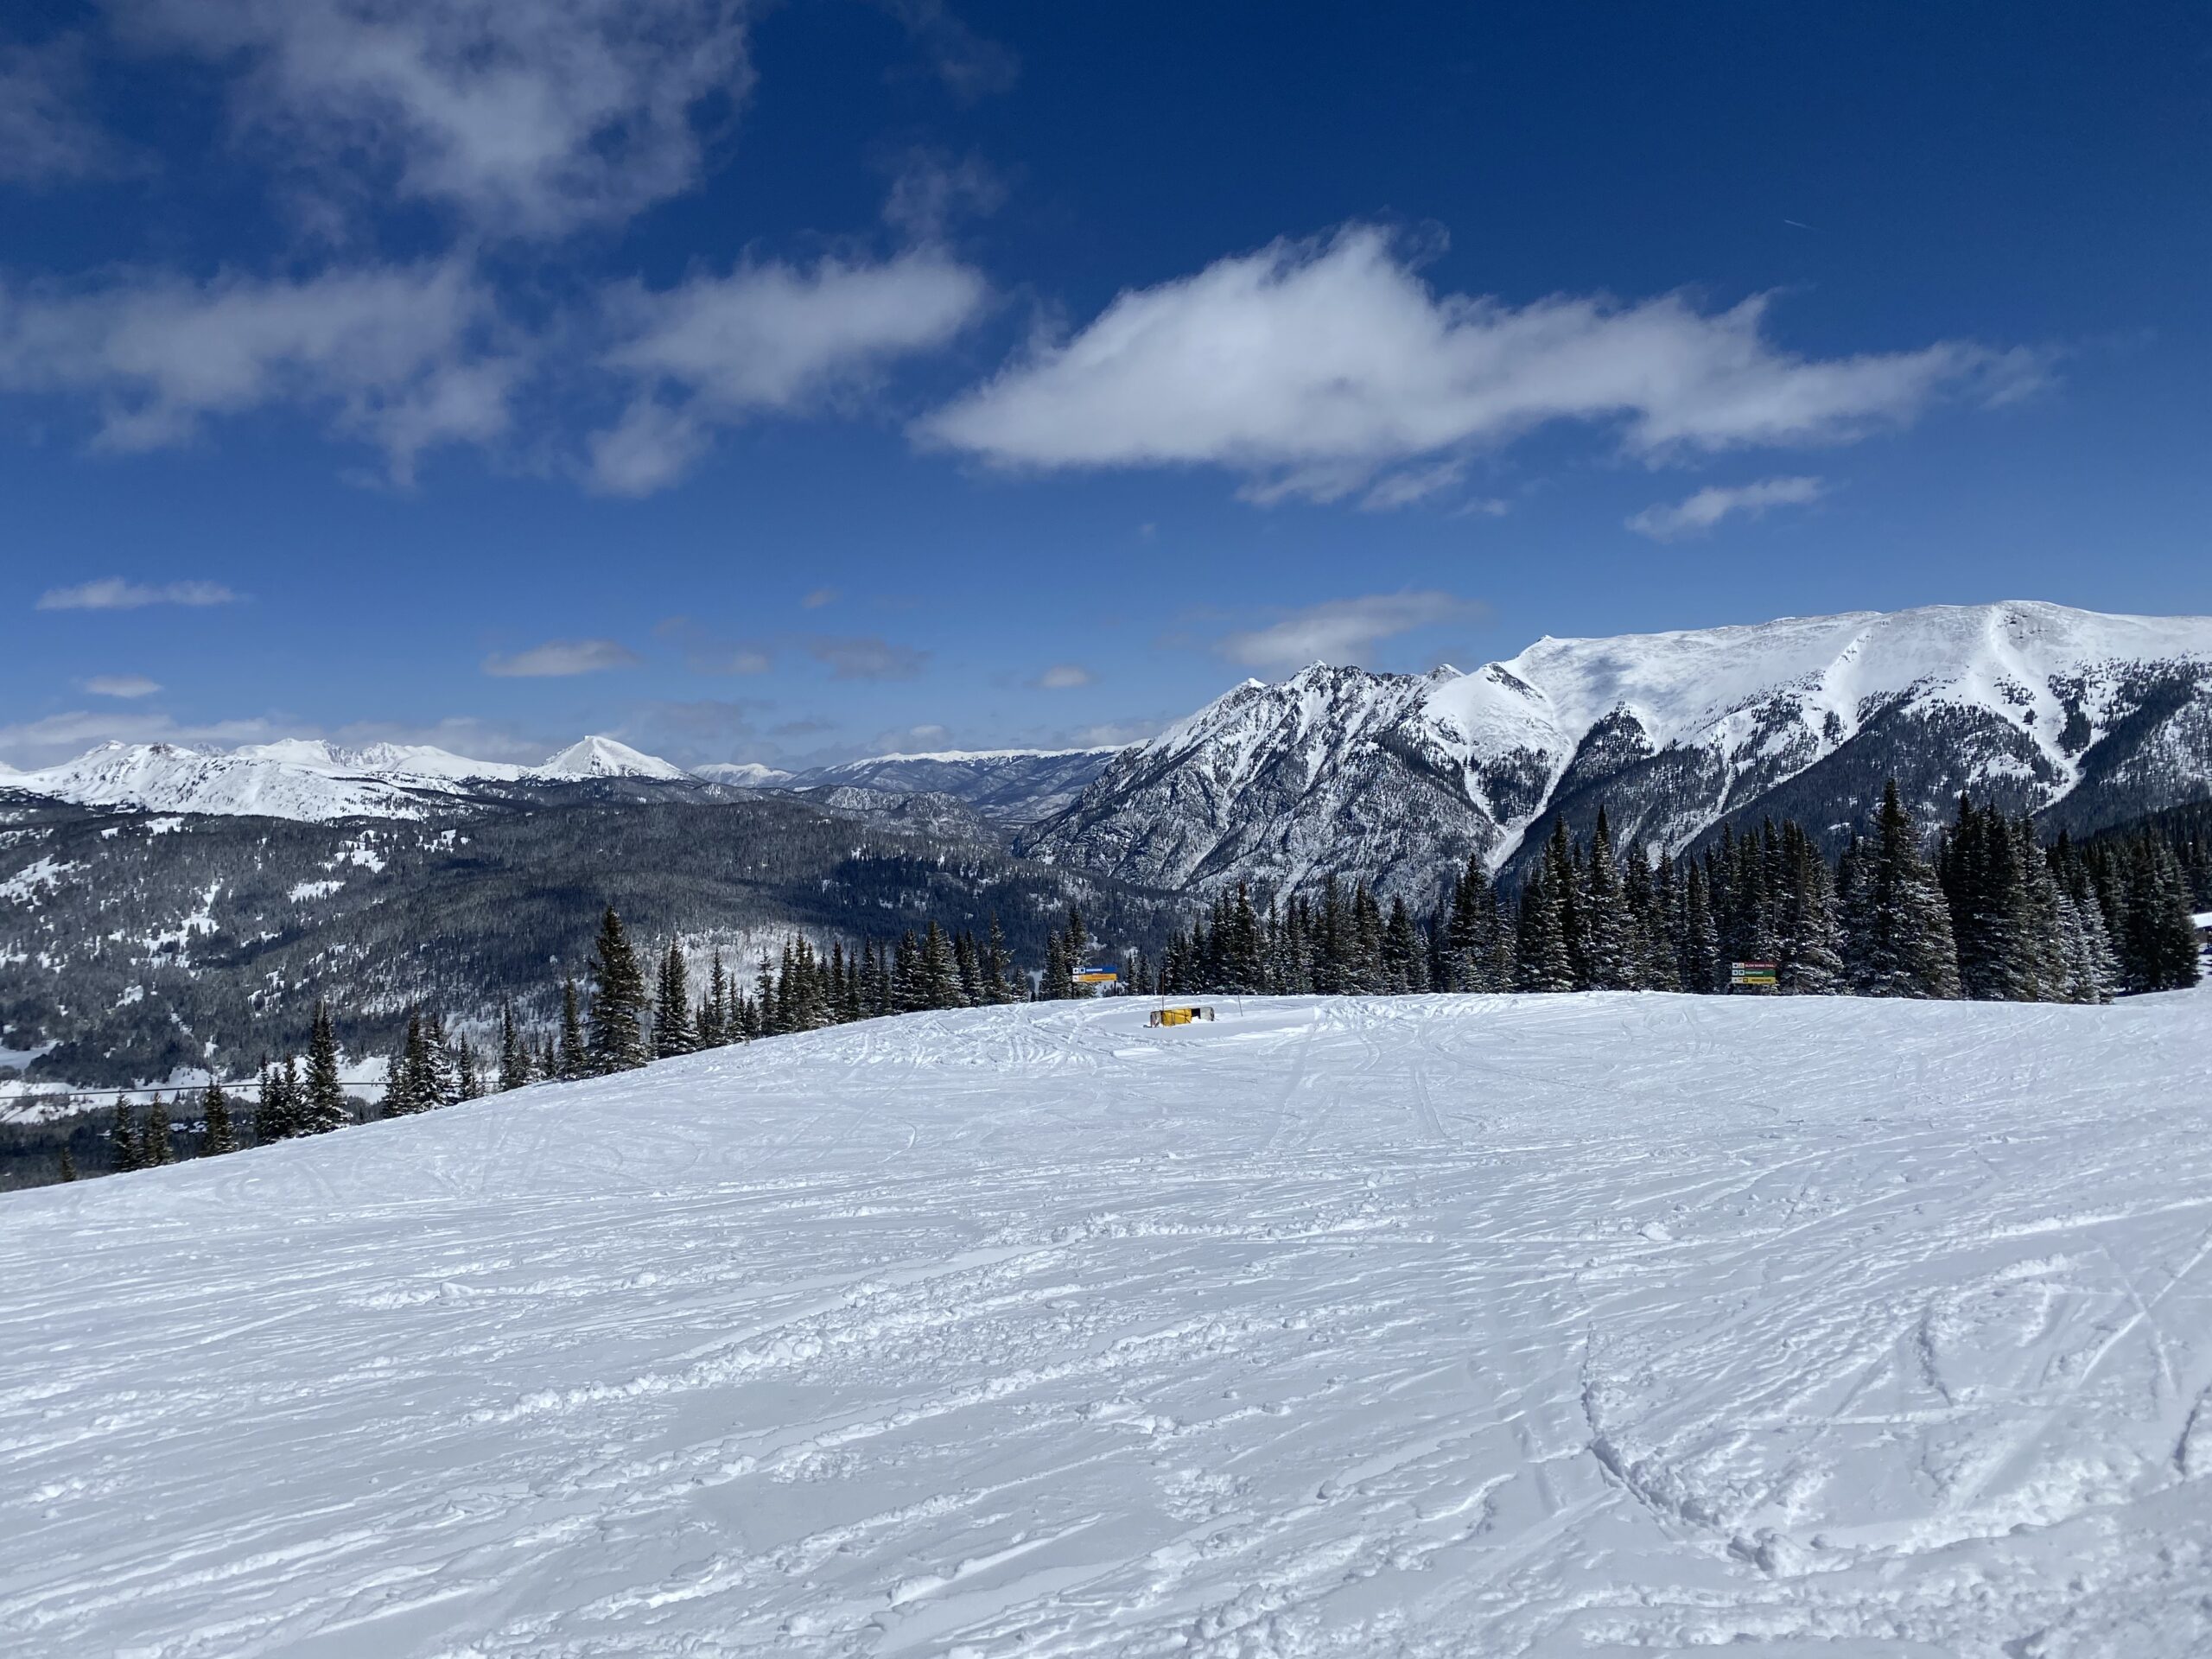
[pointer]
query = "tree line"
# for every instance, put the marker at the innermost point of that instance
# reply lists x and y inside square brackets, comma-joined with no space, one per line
[1993,915]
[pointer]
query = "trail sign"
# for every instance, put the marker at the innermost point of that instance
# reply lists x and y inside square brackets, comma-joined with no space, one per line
[1752,976]
[1097,976]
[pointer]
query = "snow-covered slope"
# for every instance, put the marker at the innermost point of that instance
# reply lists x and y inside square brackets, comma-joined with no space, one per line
[313,781]
[749,775]
[1397,777]
[1010,785]
[1607,1325]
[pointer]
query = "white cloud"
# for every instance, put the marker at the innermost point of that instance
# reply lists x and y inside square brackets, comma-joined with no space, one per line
[44,139]
[562,657]
[1311,367]
[931,191]
[1665,522]
[530,119]
[821,596]
[1343,631]
[121,685]
[648,449]
[1411,484]
[771,337]
[114,593]
[388,351]
[1063,676]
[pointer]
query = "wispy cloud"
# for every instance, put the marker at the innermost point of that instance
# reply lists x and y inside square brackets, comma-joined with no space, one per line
[532,120]
[1063,677]
[121,685]
[1311,368]
[821,596]
[45,137]
[766,337]
[866,658]
[115,594]
[557,658]
[390,354]
[1343,631]
[1667,522]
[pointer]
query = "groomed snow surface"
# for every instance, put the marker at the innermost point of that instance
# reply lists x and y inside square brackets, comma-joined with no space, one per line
[1598,1324]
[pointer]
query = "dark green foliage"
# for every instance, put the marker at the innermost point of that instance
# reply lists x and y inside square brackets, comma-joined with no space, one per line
[218,1134]
[673,1032]
[618,1001]
[322,1105]
[514,1053]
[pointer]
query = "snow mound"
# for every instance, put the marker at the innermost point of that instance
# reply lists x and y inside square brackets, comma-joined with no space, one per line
[1613,1324]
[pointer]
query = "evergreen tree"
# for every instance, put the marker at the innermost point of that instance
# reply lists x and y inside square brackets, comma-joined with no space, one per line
[125,1149]
[218,1134]
[1700,964]
[939,972]
[673,1032]
[618,1001]
[68,1163]
[1077,950]
[154,1147]
[409,1086]
[514,1054]
[1541,958]
[471,1085]
[322,1102]
[1897,923]
[1054,987]
[1612,949]
[276,1113]
[574,1058]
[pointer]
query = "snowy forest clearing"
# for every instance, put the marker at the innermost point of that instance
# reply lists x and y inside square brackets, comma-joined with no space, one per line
[1605,1324]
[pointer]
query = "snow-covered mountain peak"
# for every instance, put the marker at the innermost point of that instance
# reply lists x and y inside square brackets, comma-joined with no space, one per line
[749,775]
[605,757]
[1393,777]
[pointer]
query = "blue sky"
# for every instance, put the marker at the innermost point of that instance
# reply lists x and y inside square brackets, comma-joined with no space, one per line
[787,382]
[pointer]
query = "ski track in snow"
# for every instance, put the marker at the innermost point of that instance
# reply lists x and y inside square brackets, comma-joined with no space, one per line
[1582,1324]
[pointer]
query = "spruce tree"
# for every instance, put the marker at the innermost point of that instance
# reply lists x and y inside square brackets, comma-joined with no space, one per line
[573,1059]
[1541,958]
[1897,924]
[514,1054]
[673,1032]
[153,1148]
[218,1134]
[68,1163]
[275,1116]
[618,1001]
[125,1149]
[322,1100]
[471,1085]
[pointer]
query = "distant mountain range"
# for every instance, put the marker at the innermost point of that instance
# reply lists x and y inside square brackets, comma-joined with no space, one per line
[312,782]
[2086,718]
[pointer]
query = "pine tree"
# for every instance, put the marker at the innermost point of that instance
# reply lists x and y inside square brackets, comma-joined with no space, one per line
[1897,923]
[618,1001]
[673,1032]
[1404,960]
[1541,958]
[514,1055]
[153,1148]
[409,1086]
[1077,950]
[218,1134]
[1612,949]
[1700,964]
[125,1150]
[68,1163]
[573,1060]
[323,1102]
[276,1114]
[939,972]
[471,1085]
[1053,987]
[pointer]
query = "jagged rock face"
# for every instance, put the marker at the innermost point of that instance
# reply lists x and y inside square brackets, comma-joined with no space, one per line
[2086,719]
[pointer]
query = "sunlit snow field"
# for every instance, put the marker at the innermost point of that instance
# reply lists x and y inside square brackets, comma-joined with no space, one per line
[1580,1325]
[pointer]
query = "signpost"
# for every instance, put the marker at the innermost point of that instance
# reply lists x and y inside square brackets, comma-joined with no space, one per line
[1097,976]
[1752,976]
